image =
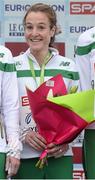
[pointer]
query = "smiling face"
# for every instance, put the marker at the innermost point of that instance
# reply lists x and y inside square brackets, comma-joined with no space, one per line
[38,31]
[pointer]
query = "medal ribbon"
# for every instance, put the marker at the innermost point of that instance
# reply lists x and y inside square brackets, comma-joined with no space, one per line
[48,57]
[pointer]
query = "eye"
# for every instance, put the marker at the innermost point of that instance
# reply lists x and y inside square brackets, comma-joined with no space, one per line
[28,27]
[41,27]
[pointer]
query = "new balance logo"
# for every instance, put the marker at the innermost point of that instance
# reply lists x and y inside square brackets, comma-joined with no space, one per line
[64,63]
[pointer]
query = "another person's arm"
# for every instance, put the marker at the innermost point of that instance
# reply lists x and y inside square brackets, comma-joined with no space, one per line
[85,58]
[10,114]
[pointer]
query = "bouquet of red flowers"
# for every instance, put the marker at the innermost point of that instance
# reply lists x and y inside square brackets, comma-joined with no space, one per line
[62,117]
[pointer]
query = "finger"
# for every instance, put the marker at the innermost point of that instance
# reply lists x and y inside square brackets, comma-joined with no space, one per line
[63,149]
[7,164]
[34,135]
[36,144]
[54,149]
[14,170]
[51,145]
[13,166]
[59,154]
[35,140]
[58,150]
[9,170]
[41,138]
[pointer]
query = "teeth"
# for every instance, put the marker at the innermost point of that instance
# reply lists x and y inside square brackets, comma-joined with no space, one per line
[35,40]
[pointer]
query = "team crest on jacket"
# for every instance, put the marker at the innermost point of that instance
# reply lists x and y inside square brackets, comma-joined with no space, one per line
[18,64]
[1,55]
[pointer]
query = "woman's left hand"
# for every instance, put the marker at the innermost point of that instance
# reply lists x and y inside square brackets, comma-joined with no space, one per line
[57,150]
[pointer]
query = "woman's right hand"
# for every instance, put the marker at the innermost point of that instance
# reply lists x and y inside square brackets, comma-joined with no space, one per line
[35,140]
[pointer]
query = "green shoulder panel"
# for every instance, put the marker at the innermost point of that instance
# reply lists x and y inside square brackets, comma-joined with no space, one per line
[83,50]
[7,67]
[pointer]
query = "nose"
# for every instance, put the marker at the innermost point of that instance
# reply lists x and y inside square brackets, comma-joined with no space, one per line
[34,31]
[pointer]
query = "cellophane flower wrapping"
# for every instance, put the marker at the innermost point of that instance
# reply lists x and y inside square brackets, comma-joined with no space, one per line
[58,119]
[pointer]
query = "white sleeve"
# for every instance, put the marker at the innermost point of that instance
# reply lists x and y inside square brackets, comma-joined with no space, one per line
[85,56]
[84,69]
[10,107]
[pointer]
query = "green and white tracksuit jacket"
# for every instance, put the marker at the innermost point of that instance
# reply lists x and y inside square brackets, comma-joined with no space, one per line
[9,105]
[85,61]
[57,64]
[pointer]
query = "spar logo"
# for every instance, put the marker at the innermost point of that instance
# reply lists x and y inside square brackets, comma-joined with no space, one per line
[86,8]
[24,101]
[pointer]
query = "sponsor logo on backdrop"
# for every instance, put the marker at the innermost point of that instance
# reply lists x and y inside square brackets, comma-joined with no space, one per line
[23,7]
[58,7]
[16,7]
[16,29]
[79,29]
[86,8]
